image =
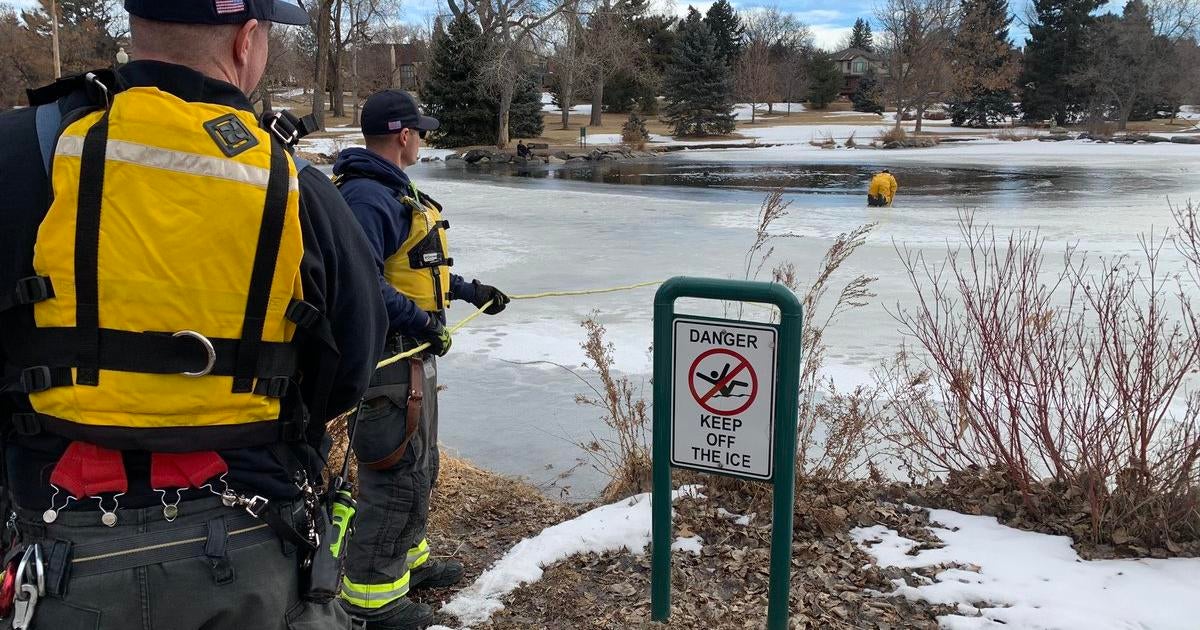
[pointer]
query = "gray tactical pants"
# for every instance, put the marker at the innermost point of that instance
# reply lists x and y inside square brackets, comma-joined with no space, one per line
[393,504]
[223,587]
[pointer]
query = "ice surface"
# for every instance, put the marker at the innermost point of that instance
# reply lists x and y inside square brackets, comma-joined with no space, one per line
[1008,578]
[528,235]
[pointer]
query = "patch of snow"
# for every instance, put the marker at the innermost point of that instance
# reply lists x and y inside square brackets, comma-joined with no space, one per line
[737,519]
[621,525]
[615,138]
[742,110]
[693,544]
[1016,579]
[293,93]
[549,106]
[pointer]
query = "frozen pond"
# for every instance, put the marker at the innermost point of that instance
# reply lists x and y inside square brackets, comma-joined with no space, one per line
[695,215]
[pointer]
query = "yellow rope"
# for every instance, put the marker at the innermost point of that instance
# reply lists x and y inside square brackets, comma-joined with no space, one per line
[527,296]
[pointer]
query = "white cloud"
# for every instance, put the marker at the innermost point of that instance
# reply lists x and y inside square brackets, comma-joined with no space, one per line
[821,16]
[829,36]
[681,7]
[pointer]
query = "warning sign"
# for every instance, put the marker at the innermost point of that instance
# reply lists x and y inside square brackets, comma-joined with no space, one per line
[724,397]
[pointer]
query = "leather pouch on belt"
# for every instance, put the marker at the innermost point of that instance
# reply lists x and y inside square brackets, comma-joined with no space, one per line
[392,414]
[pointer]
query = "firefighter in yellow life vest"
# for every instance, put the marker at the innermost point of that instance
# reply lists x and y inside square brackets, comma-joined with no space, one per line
[396,433]
[183,305]
[882,190]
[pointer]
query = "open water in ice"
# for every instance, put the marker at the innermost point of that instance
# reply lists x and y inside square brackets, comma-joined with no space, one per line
[591,227]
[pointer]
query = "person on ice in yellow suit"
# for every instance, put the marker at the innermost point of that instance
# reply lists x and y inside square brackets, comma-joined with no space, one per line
[882,190]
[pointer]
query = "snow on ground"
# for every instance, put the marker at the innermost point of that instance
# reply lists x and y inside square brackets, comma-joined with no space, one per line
[549,106]
[692,544]
[742,110]
[982,151]
[621,525]
[615,138]
[352,137]
[1017,579]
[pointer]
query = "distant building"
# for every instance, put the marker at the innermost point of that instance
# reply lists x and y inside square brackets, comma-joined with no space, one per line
[389,66]
[856,63]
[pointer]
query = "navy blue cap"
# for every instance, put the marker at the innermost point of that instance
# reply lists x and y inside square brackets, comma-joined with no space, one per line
[390,111]
[218,11]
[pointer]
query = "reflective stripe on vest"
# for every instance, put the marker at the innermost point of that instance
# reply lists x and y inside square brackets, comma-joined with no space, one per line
[175,227]
[420,269]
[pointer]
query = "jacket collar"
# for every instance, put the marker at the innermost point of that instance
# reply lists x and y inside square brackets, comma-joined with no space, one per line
[184,83]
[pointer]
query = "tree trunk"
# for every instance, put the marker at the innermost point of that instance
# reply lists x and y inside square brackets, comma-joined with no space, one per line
[336,86]
[321,66]
[752,113]
[565,94]
[597,118]
[266,100]
[920,114]
[354,85]
[506,99]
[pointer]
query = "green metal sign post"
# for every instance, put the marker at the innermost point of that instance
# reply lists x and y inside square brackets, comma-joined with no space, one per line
[718,368]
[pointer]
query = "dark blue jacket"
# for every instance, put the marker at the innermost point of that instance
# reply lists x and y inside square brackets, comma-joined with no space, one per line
[373,189]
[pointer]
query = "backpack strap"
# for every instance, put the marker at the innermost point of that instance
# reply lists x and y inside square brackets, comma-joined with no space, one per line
[48,120]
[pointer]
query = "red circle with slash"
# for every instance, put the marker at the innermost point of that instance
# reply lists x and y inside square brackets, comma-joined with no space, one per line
[737,364]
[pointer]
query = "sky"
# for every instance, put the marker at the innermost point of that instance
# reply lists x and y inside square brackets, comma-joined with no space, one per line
[829,20]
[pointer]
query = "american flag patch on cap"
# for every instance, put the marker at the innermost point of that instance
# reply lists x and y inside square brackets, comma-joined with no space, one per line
[230,6]
[395,125]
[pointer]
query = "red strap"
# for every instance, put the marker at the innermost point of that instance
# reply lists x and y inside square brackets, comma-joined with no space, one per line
[185,470]
[87,470]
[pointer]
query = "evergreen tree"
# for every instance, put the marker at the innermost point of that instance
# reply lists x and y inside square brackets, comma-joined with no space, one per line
[985,67]
[861,36]
[525,118]
[449,90]
[825,80]
[698,85]
[727,28]
[1054,52]
[868,95]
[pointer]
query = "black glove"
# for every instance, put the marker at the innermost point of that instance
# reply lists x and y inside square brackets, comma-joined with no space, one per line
[437,335]
[487,292]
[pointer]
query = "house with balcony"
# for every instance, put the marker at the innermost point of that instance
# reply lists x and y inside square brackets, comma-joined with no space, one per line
[856,63]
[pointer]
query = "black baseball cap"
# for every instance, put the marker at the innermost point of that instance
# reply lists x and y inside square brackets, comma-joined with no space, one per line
[219,11]
[390,111]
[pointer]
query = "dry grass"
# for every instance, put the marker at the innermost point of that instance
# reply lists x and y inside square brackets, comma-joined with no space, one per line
[1015,134]
[893,134]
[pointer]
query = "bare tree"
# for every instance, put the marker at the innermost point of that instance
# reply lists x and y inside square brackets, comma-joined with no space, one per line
[511,30]
[774,60]
[1127,62]
[610,46]
[756,76]
[570,57]
[916,41]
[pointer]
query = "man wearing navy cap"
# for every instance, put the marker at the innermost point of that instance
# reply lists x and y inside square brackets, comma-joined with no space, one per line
[395,437]
[171,486]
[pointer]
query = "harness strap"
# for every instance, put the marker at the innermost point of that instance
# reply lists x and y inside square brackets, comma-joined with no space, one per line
[87,251]
[153,353]
[87,470]
[270,235]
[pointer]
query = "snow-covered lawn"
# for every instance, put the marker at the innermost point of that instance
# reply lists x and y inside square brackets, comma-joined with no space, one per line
[549,106]
[621,525]
[742,110]
[1010,578]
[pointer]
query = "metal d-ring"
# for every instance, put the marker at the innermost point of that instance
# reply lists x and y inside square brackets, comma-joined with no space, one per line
[208,347]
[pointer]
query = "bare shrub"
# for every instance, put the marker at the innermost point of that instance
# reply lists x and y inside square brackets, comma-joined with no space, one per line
[896,135]
[634,133]
[841,414]
[1073,377]
[851,142]
[824,141]
[624,457]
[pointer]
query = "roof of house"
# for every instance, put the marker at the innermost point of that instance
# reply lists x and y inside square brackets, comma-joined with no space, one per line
[851,53]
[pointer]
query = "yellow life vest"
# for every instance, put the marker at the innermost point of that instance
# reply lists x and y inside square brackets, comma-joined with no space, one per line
[420,269]
[169,273]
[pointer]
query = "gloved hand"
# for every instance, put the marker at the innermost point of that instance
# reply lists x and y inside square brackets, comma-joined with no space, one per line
[485,292]
[437,335]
